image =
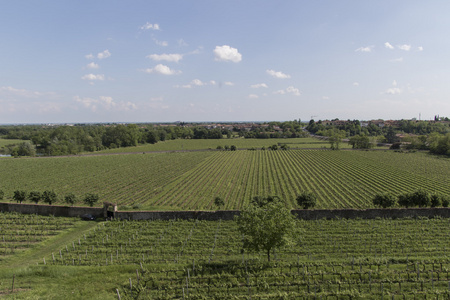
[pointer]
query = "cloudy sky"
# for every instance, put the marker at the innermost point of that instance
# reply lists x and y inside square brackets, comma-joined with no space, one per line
[164,61]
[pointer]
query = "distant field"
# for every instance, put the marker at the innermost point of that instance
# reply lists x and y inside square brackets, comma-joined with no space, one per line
[4,142]
[191,180]
[180,144]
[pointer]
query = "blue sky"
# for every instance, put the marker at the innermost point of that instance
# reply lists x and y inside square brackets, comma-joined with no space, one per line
[165,61]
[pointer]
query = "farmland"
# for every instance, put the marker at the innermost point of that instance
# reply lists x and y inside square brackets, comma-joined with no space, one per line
[191,180]
[328,259]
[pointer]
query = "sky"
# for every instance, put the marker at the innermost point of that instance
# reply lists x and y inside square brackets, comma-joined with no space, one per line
[197,61]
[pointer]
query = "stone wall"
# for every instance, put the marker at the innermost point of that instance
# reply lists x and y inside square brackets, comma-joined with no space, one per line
[313,214]
[55,210]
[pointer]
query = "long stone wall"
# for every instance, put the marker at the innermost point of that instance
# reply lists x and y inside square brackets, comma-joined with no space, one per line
[55,210]
[313,214]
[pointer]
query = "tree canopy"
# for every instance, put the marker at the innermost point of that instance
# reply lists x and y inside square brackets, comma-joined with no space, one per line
[267,227]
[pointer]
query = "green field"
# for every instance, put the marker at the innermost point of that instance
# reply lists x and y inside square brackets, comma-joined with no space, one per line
[191,180]
[240,143]
[327,259]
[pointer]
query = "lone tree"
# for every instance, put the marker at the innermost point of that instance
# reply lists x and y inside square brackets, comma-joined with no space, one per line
[384,200]
[90,199]
[35,196]
[49,197]
[218,201]
[306,200]
[19,196]
[70,198]
[266,227]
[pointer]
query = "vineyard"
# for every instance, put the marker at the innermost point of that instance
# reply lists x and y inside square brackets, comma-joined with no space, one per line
[328,259]
[21,232]
[191,180]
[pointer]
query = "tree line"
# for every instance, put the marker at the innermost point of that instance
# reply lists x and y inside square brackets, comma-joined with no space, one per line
[50,197]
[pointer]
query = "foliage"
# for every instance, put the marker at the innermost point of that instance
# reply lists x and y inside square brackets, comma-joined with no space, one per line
[306,199]
[360,142]
[49,196]
[2,194]
[266,228]
[19,196]
[384,200]
[232,148]
[90,199]
[218,201]
[35,196]
[261,201]
[70,198]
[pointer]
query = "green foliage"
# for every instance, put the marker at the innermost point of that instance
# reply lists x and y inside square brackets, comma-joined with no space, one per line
[360,142]
[306,199]
[218,201]
[49,197]
[420,198]
[90,199]
[35,196]
[70,198]
[2,194]
[384,200]
[266,228]
[19,196]
[261,201]
[233,148]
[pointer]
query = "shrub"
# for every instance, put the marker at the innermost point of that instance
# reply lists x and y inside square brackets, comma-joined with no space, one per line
[70,199]
[19,196]
[405,200]
[90,199]
[445,201]
[421,198]
[35,196]
[436,200]
[219,202]
[306,200]
[384,200]
[233,148]
[2,194]
[49,197]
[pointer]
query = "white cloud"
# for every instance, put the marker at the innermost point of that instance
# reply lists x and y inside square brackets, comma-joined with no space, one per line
[104,54]
[292,90]
[278,74]
[212,82]
[105,103]
[161,43]
[389,46]
[10,91]
[289,90]
[93,77]
[404,47]
[148,26]
[259,85]
[182,43]
[253,96]
[325,98]
[162,69]
[227,53]
[393,91]
[197,82]
[166,57]
[365,49]
[355,83]
[92,65]
[420,48]
[394,83]
[89,56]
[228,83]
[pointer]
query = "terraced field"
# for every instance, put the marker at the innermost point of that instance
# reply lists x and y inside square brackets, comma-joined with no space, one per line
[191,180]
